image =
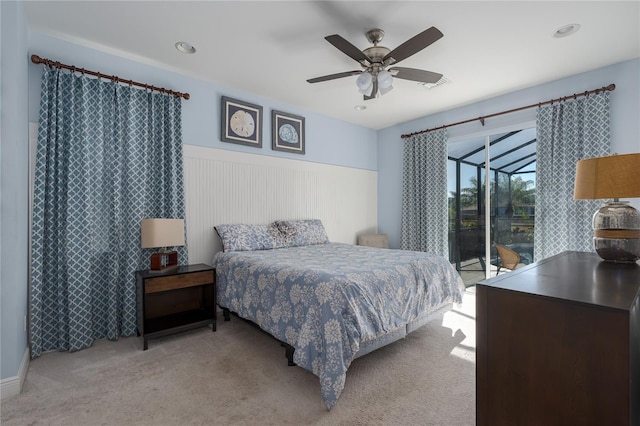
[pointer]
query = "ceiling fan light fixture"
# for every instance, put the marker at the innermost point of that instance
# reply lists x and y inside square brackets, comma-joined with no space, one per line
[364,83]
[385,82]
[385,79]
[385,90]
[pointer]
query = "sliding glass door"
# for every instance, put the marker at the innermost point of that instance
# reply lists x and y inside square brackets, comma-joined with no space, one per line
[480,223]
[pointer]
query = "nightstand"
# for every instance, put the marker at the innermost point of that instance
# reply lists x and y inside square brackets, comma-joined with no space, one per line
[175,301]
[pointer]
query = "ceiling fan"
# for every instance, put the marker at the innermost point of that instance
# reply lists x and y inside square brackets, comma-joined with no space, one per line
[375,75]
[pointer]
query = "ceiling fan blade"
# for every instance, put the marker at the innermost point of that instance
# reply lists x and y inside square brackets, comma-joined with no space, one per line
[415,75]
[413,45]
[348,49]
[333,76]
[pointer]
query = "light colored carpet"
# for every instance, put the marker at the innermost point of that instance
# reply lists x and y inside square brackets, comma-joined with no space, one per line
[239,375]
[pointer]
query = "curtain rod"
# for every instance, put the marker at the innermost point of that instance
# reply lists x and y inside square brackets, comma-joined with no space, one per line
[610,88]
[38,60]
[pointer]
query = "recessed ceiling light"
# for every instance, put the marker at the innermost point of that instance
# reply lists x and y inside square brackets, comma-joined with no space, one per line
[185,47]
[360,107]
[566,30]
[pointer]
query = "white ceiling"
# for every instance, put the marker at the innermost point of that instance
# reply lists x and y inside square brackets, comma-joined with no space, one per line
[271,48]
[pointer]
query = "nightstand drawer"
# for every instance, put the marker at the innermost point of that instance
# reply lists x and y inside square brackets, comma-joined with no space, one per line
[173,282]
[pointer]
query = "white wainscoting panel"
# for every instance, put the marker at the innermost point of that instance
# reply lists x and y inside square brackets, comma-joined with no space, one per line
[223,187]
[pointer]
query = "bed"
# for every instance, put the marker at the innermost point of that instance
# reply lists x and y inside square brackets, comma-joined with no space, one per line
[328,302]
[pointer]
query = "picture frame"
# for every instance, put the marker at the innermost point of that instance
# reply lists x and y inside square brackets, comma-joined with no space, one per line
[241,122]
[288,132]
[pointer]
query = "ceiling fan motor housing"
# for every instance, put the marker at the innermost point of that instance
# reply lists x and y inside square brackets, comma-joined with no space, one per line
[376,53]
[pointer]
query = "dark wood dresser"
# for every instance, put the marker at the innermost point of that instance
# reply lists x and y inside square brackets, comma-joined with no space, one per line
[558,343]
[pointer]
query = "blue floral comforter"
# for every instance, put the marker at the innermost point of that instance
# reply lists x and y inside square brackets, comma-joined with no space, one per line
[325,300]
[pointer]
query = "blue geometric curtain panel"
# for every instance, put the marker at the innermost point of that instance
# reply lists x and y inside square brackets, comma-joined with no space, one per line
[108,156]
[567,132]
[424,224]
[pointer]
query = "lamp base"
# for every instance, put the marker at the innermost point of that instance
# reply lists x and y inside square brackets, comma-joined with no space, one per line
[616,232]
[164,261]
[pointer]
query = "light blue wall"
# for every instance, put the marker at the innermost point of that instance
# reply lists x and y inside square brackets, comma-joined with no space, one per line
[625,127]
[13,192]
[328,140]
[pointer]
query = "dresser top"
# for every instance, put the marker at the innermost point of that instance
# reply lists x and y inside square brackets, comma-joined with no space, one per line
[575,276]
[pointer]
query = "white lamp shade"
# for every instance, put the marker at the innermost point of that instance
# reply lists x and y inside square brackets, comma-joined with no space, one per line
[385,90]
[162,233]
[385,79]
[364,82]
[385,82]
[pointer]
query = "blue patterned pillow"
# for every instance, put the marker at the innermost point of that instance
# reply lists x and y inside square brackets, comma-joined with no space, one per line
[250,237]
[302,232]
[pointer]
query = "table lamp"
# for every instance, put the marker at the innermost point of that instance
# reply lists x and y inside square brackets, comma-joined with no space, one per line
[164,233]
[616,225]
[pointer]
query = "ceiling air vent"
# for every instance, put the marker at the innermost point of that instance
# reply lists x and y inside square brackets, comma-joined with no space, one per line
[443,80]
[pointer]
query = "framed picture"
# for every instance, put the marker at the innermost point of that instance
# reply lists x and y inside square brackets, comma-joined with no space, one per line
[288,132]
[241,122]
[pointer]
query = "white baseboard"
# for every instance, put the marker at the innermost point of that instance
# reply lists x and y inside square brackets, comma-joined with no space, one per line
[12,386]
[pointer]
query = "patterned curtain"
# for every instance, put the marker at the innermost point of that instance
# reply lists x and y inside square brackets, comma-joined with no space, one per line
[424,194]
[108,156]
[567,132]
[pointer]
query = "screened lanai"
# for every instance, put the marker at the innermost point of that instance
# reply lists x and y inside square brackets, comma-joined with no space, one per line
[512,165]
